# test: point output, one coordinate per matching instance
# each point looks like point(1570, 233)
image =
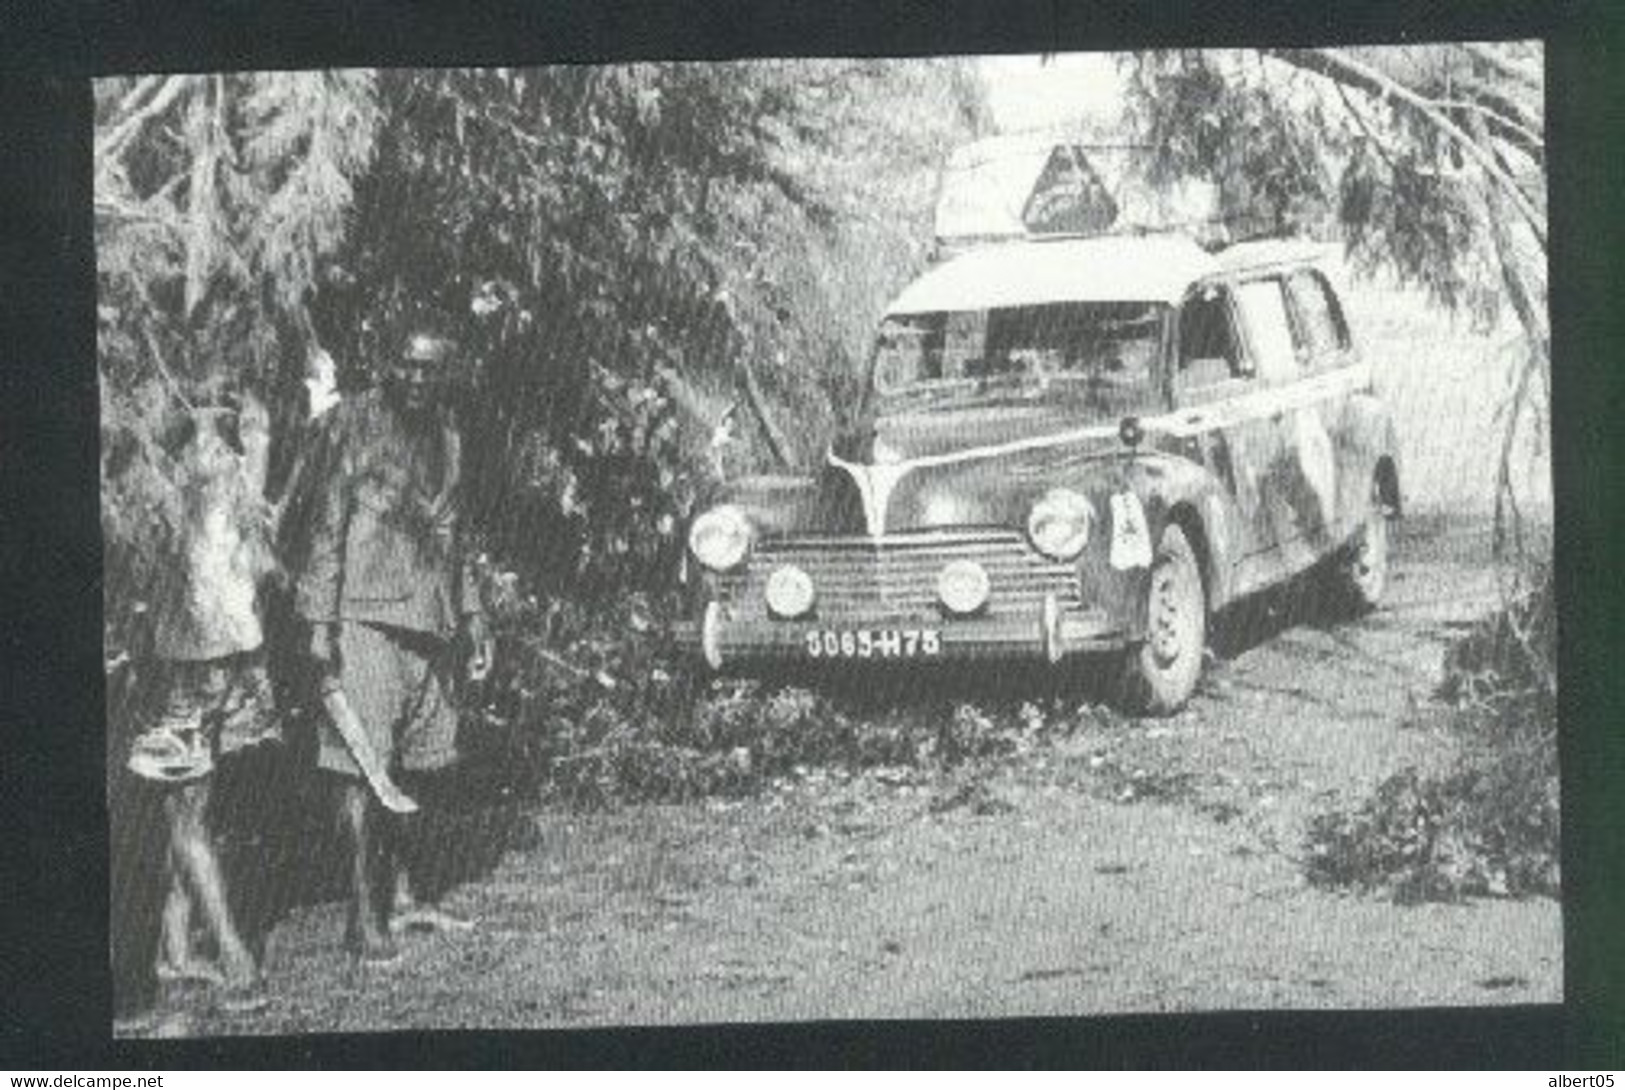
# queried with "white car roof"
point(1110, 269)
point(1274, 252)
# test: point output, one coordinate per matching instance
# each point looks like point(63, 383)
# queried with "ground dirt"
point(1123, 866)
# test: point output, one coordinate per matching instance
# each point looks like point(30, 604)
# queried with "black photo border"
point(54, 975)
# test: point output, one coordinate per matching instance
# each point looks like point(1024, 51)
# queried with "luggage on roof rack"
point(1025, 187)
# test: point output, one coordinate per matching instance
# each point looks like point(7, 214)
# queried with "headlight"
point(720, 538)
point(1059, 524)
point(963, 586)
point(789, 592)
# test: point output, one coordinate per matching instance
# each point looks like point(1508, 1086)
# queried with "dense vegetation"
point(1489, 825)
point(615, 243)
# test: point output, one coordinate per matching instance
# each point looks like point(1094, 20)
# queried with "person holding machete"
point(391, 602)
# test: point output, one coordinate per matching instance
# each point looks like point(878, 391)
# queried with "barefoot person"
point(390, 602)
point(217, 700)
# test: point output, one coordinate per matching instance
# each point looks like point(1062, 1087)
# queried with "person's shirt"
point(383, 522)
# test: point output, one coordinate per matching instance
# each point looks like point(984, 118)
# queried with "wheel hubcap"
point(1371, 560)
point(1168, 613)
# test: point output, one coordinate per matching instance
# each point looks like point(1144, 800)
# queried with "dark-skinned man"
point(394, 610)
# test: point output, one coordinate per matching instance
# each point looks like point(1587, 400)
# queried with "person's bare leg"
point(195, 855)
point(178, 958)
point(175, 932)
point(367, 934)
point(412, 912)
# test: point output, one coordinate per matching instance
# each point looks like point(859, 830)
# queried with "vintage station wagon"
point(1070, 446)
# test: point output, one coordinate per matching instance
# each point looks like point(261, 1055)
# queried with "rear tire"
point(1360, 577)
point(1161, 673)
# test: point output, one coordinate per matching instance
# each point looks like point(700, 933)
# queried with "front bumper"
point(727, 638)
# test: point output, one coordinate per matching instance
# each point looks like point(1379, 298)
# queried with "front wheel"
point(1161, 673)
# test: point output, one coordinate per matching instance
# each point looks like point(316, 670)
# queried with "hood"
point(961, 468)
point(966, 432)
point(980, 466)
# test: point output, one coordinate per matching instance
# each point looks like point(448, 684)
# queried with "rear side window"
point(1321, 331)
point(1269, 329)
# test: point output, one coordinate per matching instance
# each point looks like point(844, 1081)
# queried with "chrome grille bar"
point(899, 572)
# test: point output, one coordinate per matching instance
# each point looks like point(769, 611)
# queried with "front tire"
point(1161, 673)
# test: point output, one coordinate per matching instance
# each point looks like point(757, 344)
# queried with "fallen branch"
point(600, 678)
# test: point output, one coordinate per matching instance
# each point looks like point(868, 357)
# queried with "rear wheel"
point(1361, 575)
point(1161, 673)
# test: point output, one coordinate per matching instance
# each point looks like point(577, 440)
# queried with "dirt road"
point(1131, 866)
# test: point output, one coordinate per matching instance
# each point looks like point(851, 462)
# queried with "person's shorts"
point(212, 707)
point(397, 684)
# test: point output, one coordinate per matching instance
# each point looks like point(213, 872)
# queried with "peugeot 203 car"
point(1069, 447)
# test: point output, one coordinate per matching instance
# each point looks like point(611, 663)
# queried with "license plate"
point(873, 643)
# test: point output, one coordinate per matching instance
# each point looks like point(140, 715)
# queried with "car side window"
point(1321, 331)
point(1208, 353)
point(1269, 329)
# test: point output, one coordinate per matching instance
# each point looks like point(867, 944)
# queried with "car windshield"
point(1099, 356)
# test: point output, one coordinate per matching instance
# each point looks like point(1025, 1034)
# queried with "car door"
point(1328, 361)
point(1219, 404)
point(1297, 486)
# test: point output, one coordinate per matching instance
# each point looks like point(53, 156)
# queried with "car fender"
point(1170, 488)
point(1366, 436)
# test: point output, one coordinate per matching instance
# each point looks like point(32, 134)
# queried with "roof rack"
point(1201, 232)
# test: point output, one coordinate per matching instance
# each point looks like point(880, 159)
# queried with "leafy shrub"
point(1490, 825)
point(590, 706)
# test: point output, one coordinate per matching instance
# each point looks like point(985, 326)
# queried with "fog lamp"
point(963, 586)
point(790, 592)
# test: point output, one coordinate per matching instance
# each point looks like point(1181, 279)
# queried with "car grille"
point(899, 573)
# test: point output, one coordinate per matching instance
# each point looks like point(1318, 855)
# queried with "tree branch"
point(121, 133)
point(758, 404)
point(1501, 66)
point(163, 369)
point(1337, 66)
point(1359, 119)
point(132, 98)
point(1528, 141)
point(1523, 304)
point(107, 205)
point(203, 136)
